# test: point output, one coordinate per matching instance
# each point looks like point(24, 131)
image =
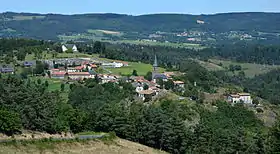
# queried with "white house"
point(240, 97)
point(180, 84)
point(79, 75)
point(113, 65)
point(146, 94)
point(66, 47)
point(139, 88)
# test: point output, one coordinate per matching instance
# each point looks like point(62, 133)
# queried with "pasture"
point(250, 69)
point(141, 69)
point(153, 43)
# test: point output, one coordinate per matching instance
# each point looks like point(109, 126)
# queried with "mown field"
point(152, 43)
point(141, 69)
point(91, 34)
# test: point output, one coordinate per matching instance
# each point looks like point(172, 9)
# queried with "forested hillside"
point(259, 26)
point(172, 124)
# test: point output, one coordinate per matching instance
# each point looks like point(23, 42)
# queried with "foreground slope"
point(88, 147)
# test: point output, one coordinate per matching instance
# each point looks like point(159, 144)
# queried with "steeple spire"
point(155, 65)
point(155, 62)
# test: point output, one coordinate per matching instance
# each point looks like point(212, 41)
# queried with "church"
point(155, 73)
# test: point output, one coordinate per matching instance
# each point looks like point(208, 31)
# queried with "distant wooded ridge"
point(50, 26)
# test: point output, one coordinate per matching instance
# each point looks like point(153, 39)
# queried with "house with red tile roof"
point(58, 75)
point(179, 84)
point(79, 75)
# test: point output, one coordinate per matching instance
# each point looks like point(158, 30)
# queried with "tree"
point(39, 81)
point(62, 87)
point(10, 122)
point(21, 54)
point(161, 83)
point(97, 47)
point(149, 76)
point(46, 83)
point(274, 142)
point(146, 87)
point(49, 74)
point(39, 69)
point(169, 84)
point(134, 73)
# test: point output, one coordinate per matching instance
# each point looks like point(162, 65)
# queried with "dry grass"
point(117, 146)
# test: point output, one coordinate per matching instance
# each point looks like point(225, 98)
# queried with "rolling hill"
point(162, 27)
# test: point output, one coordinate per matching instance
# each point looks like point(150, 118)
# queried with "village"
point(77, 69)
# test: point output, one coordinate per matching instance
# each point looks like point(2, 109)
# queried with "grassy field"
point(175, 45)
point(114, 146)
point(141, 69)
point(250, 69)
point(91, 34)
point(210, 66)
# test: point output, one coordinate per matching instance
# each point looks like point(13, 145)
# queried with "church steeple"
point(155, 65)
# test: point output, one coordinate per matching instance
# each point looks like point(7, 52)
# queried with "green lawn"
point(250, 69)
point(141, 69)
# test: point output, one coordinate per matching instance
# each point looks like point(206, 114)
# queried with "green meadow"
point(141, 69)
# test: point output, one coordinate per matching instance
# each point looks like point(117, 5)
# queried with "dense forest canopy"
point(49, 26)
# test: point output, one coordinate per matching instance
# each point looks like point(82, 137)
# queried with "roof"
point(123, 62)
point(146, 92)
point(29, 63)
point(178, 82)
point(93, 65)
point(78, 73)
point(160, 76)
point(7, 69)
point(58, 73)
point(54, 70)
point(69, 46)
point(169, 74)
point(243, 94)
point(79, 67)
point(234, 95)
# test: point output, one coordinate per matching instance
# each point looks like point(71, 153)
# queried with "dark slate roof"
point(69, 46)
point(6, 69)
point(160, 76)
point(29, 63)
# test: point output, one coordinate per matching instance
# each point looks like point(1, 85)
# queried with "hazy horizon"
point(69, 7)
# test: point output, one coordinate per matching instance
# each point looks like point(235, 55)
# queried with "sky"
point(138, 7)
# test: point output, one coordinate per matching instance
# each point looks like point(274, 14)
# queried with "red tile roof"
point(93, 66)
point(123, 62)
point(79, 73)
point(58, 73)
point(79, 67)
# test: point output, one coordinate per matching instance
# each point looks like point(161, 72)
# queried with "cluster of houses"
point(84, 68)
